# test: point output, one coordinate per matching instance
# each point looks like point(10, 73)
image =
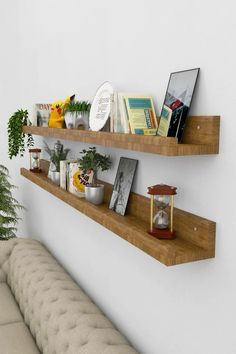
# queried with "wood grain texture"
point(201, 137)
point(195, 235)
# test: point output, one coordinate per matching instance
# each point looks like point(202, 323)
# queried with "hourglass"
point(161, 211)
point(35, 160)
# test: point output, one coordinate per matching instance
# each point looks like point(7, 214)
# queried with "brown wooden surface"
point(201, 137)
point(195, 235)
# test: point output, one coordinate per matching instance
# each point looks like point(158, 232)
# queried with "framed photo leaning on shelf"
point(122, 186)
point(177, 102)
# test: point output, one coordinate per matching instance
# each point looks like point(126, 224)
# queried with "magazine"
point(41, 114)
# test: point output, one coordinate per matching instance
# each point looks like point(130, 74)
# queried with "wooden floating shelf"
point(195, 235)
point(201, 136)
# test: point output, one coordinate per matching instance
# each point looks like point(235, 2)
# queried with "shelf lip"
point(128, 227)
point(166, 146)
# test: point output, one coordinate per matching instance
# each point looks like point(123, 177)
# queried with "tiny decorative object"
point(56, 119)
point(35, 160)
point(162, 199)
point(122, 186)
point(101, 107)
point(177, 103)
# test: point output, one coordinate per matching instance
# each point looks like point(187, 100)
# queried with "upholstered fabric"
point(61, 317)
point(15, 338)
point(9, 311)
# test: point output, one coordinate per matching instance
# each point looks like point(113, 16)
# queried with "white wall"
point(54, 48)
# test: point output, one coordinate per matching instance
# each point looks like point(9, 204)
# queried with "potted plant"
point(76, 114)
point(17, 140)
point(92, 160)
point(56, 155)
point(8, 206)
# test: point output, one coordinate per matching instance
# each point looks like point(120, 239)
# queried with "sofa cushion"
point(61, 317)
point(9, 310)
point(15, 338)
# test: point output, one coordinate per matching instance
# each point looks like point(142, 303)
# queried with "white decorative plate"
point(101, 107)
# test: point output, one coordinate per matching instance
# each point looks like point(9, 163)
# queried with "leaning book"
point(141, 114)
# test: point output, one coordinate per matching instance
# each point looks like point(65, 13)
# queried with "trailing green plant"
point(92, 160)
point(77, 106)
point(17, 139)
point(57, 154)
point(8, 206)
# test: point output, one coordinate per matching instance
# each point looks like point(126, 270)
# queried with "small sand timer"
point(161, 211)
point(35, 160)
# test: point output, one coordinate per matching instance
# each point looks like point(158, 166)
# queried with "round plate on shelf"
point(101, 107)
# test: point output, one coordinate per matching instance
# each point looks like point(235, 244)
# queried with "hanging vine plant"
point(17, 139)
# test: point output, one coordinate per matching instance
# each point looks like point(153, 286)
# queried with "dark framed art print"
point(122, 186)
point(177, 102)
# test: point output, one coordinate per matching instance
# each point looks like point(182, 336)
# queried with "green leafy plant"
point(77, 106)
point(8, 206)
point(17, 139)
point(92, 160)
point(57, 154)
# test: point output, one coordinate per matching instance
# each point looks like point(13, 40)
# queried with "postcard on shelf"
point(78, 179)
point(141, 113)
point(41, 113)
point(177, 103)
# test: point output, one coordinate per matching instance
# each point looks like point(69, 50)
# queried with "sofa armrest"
point(6, 248)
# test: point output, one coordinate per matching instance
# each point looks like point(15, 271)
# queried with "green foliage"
point(56, 155)
point(17, 140)
point(92, 160)
point(8, 206)
point(77, 106)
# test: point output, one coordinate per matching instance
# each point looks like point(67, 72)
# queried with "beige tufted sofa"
point(42, 310)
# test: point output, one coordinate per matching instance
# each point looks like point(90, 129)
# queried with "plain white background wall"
point(51, 49)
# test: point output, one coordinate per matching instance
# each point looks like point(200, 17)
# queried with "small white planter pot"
point(77, 120)
point(55, 177)
point(94, 194)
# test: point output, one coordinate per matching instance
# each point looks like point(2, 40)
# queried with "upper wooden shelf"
point(201, 136)
point(195, 236)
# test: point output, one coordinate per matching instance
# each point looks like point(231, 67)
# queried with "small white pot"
point(55, 177)
point(76, 120)
point(94, 194)
point(70, 120)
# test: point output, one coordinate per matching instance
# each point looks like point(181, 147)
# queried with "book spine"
point(63, 173)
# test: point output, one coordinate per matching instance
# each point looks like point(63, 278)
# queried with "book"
point(120, 120)
point(78, 179)
point(41, 113)
point(141, 113)
point(64, 173)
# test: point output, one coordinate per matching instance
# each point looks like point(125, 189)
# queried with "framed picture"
point(122, 186)
point(177, 102)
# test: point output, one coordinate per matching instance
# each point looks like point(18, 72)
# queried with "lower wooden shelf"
point(195, 235)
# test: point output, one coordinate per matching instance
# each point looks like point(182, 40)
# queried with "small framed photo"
point(122, 186)
point(177, 103)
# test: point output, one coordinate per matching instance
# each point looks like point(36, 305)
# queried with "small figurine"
point(56, 118)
